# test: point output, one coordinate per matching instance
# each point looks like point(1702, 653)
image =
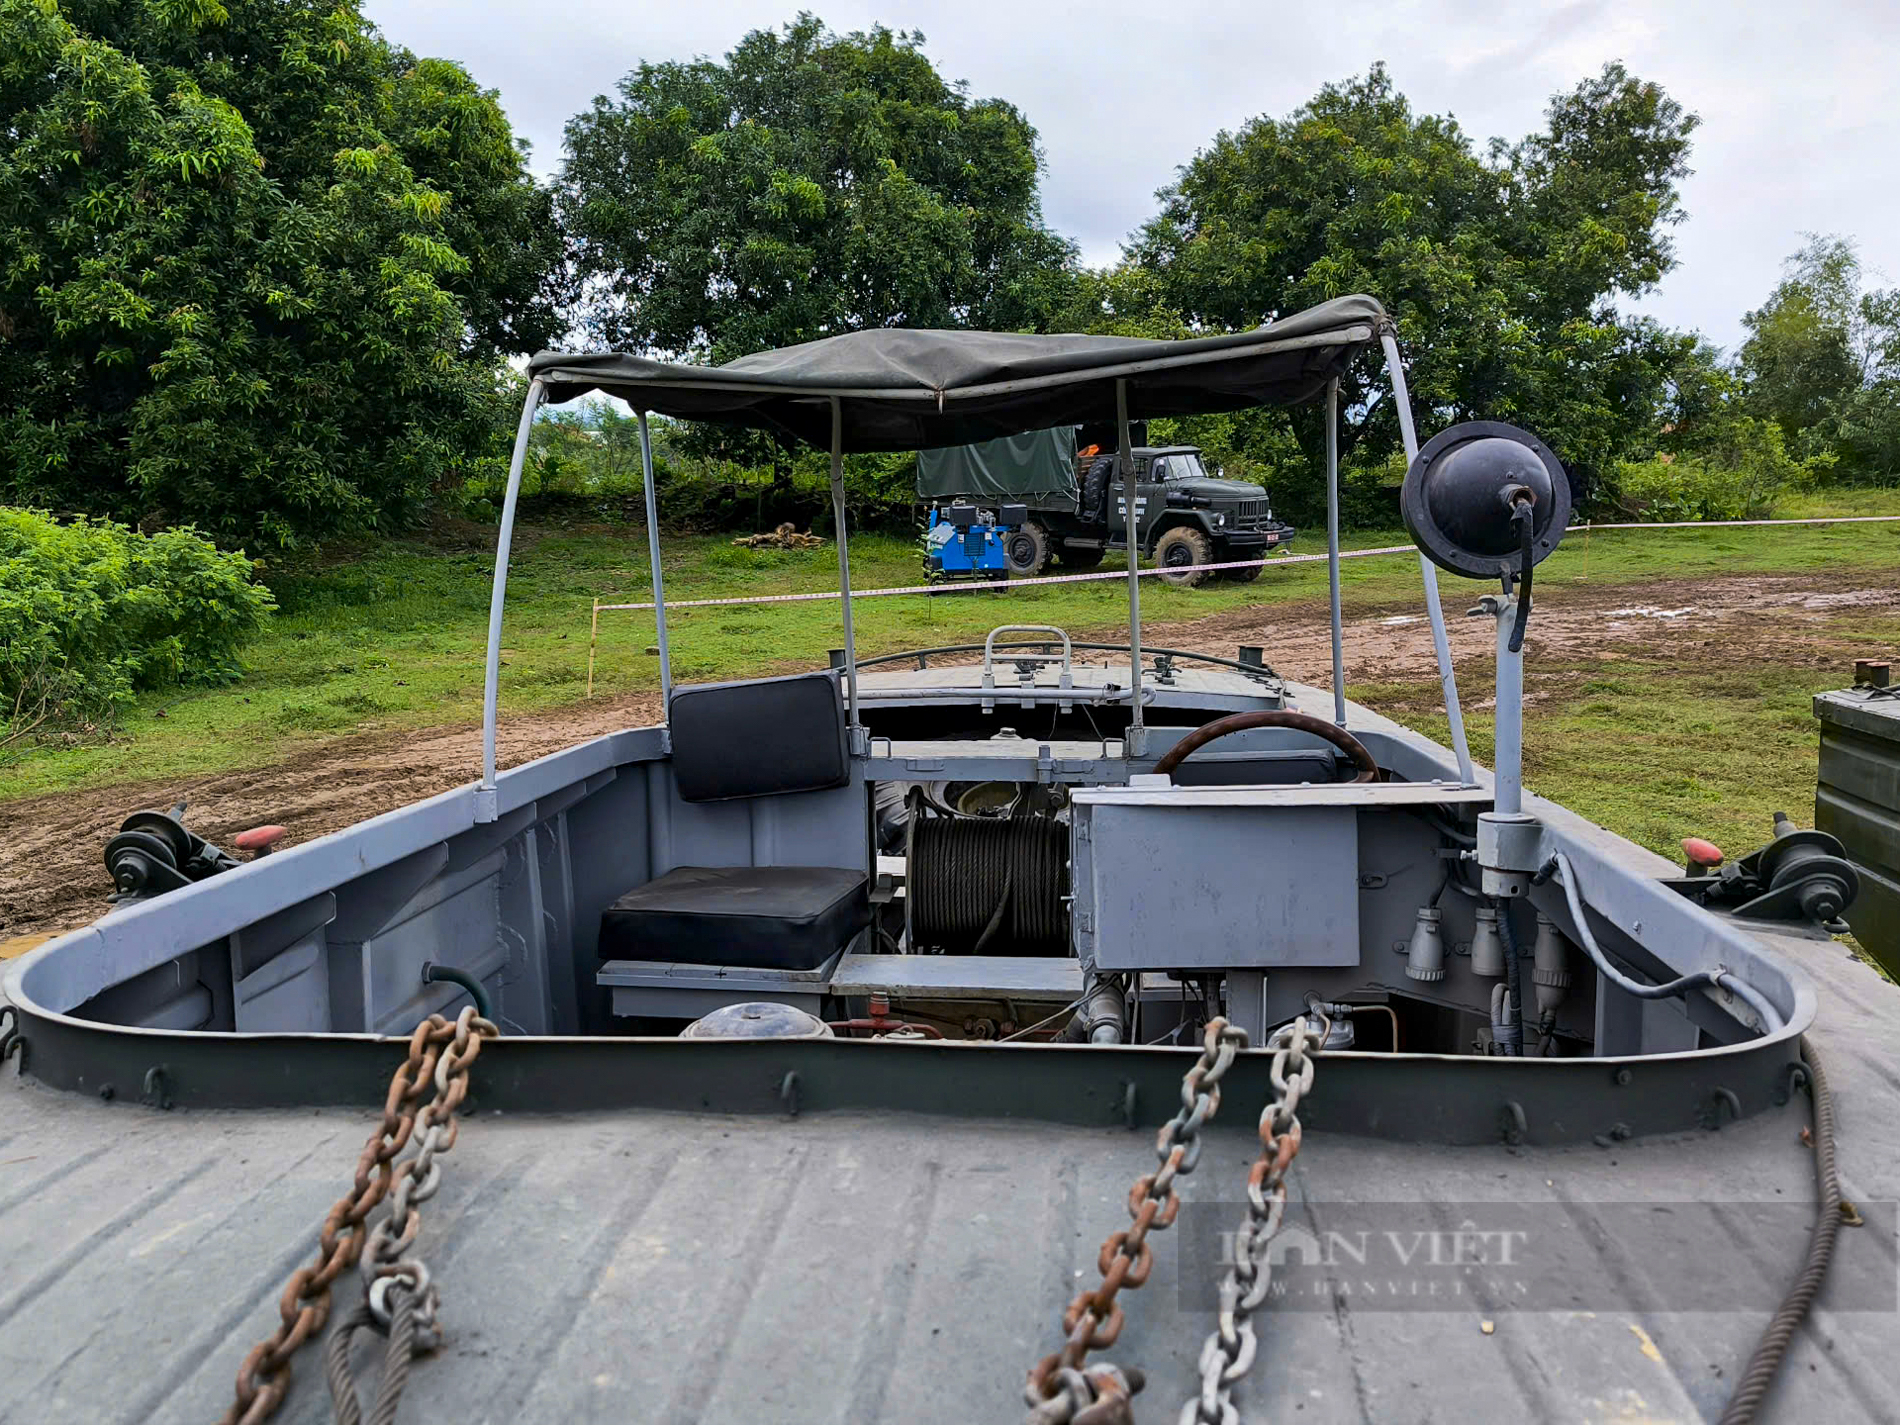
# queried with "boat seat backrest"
point(761, 738)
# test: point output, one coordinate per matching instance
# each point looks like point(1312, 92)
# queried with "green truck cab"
point(1076, 504)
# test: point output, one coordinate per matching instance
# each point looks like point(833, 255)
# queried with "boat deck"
point(676, 1267)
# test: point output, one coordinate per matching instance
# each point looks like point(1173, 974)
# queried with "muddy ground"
point(53, 877)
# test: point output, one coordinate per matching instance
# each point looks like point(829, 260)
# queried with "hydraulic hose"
point(1669, 988)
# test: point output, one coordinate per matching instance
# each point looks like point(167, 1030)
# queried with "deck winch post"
point(485, 804)
point(860, 746)
point(1441, 642)
point(1332, 548)
point(653, 565)
point(1126, 450)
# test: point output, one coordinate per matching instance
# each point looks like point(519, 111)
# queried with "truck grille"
point(1251, 514)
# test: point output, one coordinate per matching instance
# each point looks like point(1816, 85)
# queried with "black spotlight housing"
point(1463, 494)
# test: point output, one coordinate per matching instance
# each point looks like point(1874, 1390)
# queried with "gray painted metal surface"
point(579, 828)
point(848, 1267)
point(1857, 799)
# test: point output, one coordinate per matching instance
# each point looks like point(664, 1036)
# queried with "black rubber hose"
point(1773, 1346)
point(448, 974)
point(1523, 513)
point(1514, 968)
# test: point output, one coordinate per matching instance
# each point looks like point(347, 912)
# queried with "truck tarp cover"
point(1039, 462)
point(917, 390)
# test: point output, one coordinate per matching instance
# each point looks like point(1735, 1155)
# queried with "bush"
point(92, 611)
point(1738, 474)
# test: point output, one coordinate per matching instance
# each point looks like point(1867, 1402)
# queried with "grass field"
point(392, 637)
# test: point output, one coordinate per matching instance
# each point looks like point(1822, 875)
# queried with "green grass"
point(394, 637)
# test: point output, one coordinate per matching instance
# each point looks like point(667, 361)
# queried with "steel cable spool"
point(988, 884)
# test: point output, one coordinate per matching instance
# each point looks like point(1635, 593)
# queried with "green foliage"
point(1800, 357)
point(1500, 268)
point(92, 611)
point(1739, 471)
point(1822, 361)
point(256, 266)
point(810, 184)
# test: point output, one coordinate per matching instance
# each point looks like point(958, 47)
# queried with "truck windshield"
point(1178, 466)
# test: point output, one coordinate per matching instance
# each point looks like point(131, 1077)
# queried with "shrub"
point(1737, 474)
point(92, 611)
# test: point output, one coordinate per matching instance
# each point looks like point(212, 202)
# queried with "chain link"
point(399, 1299)
point(1246, 1279)
point(1059, 1389)
point(263, 1379)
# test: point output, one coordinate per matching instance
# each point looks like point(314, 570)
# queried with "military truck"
point(1070, 482)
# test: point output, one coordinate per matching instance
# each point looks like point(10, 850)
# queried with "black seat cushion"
point(761, 738)
point(761, 917)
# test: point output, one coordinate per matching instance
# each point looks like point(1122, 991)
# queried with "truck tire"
point(1239, 576)
point(1027, 550)
point(1183, 545)
point(1081, 556)
point(1095, 489)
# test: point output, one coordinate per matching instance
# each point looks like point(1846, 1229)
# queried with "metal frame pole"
point(485, 802)
point(1137, 731)
point(1332, 548)
point(858, 744)
point(1447, 681)
point(653, 569)
point(1507, 759)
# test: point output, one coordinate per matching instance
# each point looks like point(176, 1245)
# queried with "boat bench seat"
point(759, 917)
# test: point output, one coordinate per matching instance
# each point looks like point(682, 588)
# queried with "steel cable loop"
point(401, 1349)
point(969, 876)
point(1765, 1361)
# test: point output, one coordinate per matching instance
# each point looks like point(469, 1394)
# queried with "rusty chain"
point(1060, 1391)
point(399, 1298)
point(263, 1379)
point(1248, 1275)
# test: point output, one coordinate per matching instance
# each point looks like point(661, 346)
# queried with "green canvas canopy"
point(918, 390)
point(1037, 462)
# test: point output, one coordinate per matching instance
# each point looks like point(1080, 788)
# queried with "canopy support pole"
point(1332, 548)
point(859, 745)
point(653, 568)
point(485, 802)
point(1137, 732)
point(1447, 681)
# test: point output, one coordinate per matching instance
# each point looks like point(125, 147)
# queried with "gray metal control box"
point(1215, 878)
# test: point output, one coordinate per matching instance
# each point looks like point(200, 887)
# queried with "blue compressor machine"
point(970, 542)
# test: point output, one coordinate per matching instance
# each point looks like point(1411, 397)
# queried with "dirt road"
point(53, 877)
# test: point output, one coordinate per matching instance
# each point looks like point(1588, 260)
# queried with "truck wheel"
point(1179, 548)
point(1241, 576)
point(1080, 556)
point(1027, 550)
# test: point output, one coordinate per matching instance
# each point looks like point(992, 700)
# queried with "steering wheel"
point(1272, 717)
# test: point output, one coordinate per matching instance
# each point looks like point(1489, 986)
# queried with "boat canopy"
point(919, 390)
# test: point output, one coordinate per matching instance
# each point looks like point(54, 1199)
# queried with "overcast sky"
point(1800, 124)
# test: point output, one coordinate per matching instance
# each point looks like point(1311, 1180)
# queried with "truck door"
point(1150, 500)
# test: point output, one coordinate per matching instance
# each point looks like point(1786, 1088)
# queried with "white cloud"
point(1799, 125)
